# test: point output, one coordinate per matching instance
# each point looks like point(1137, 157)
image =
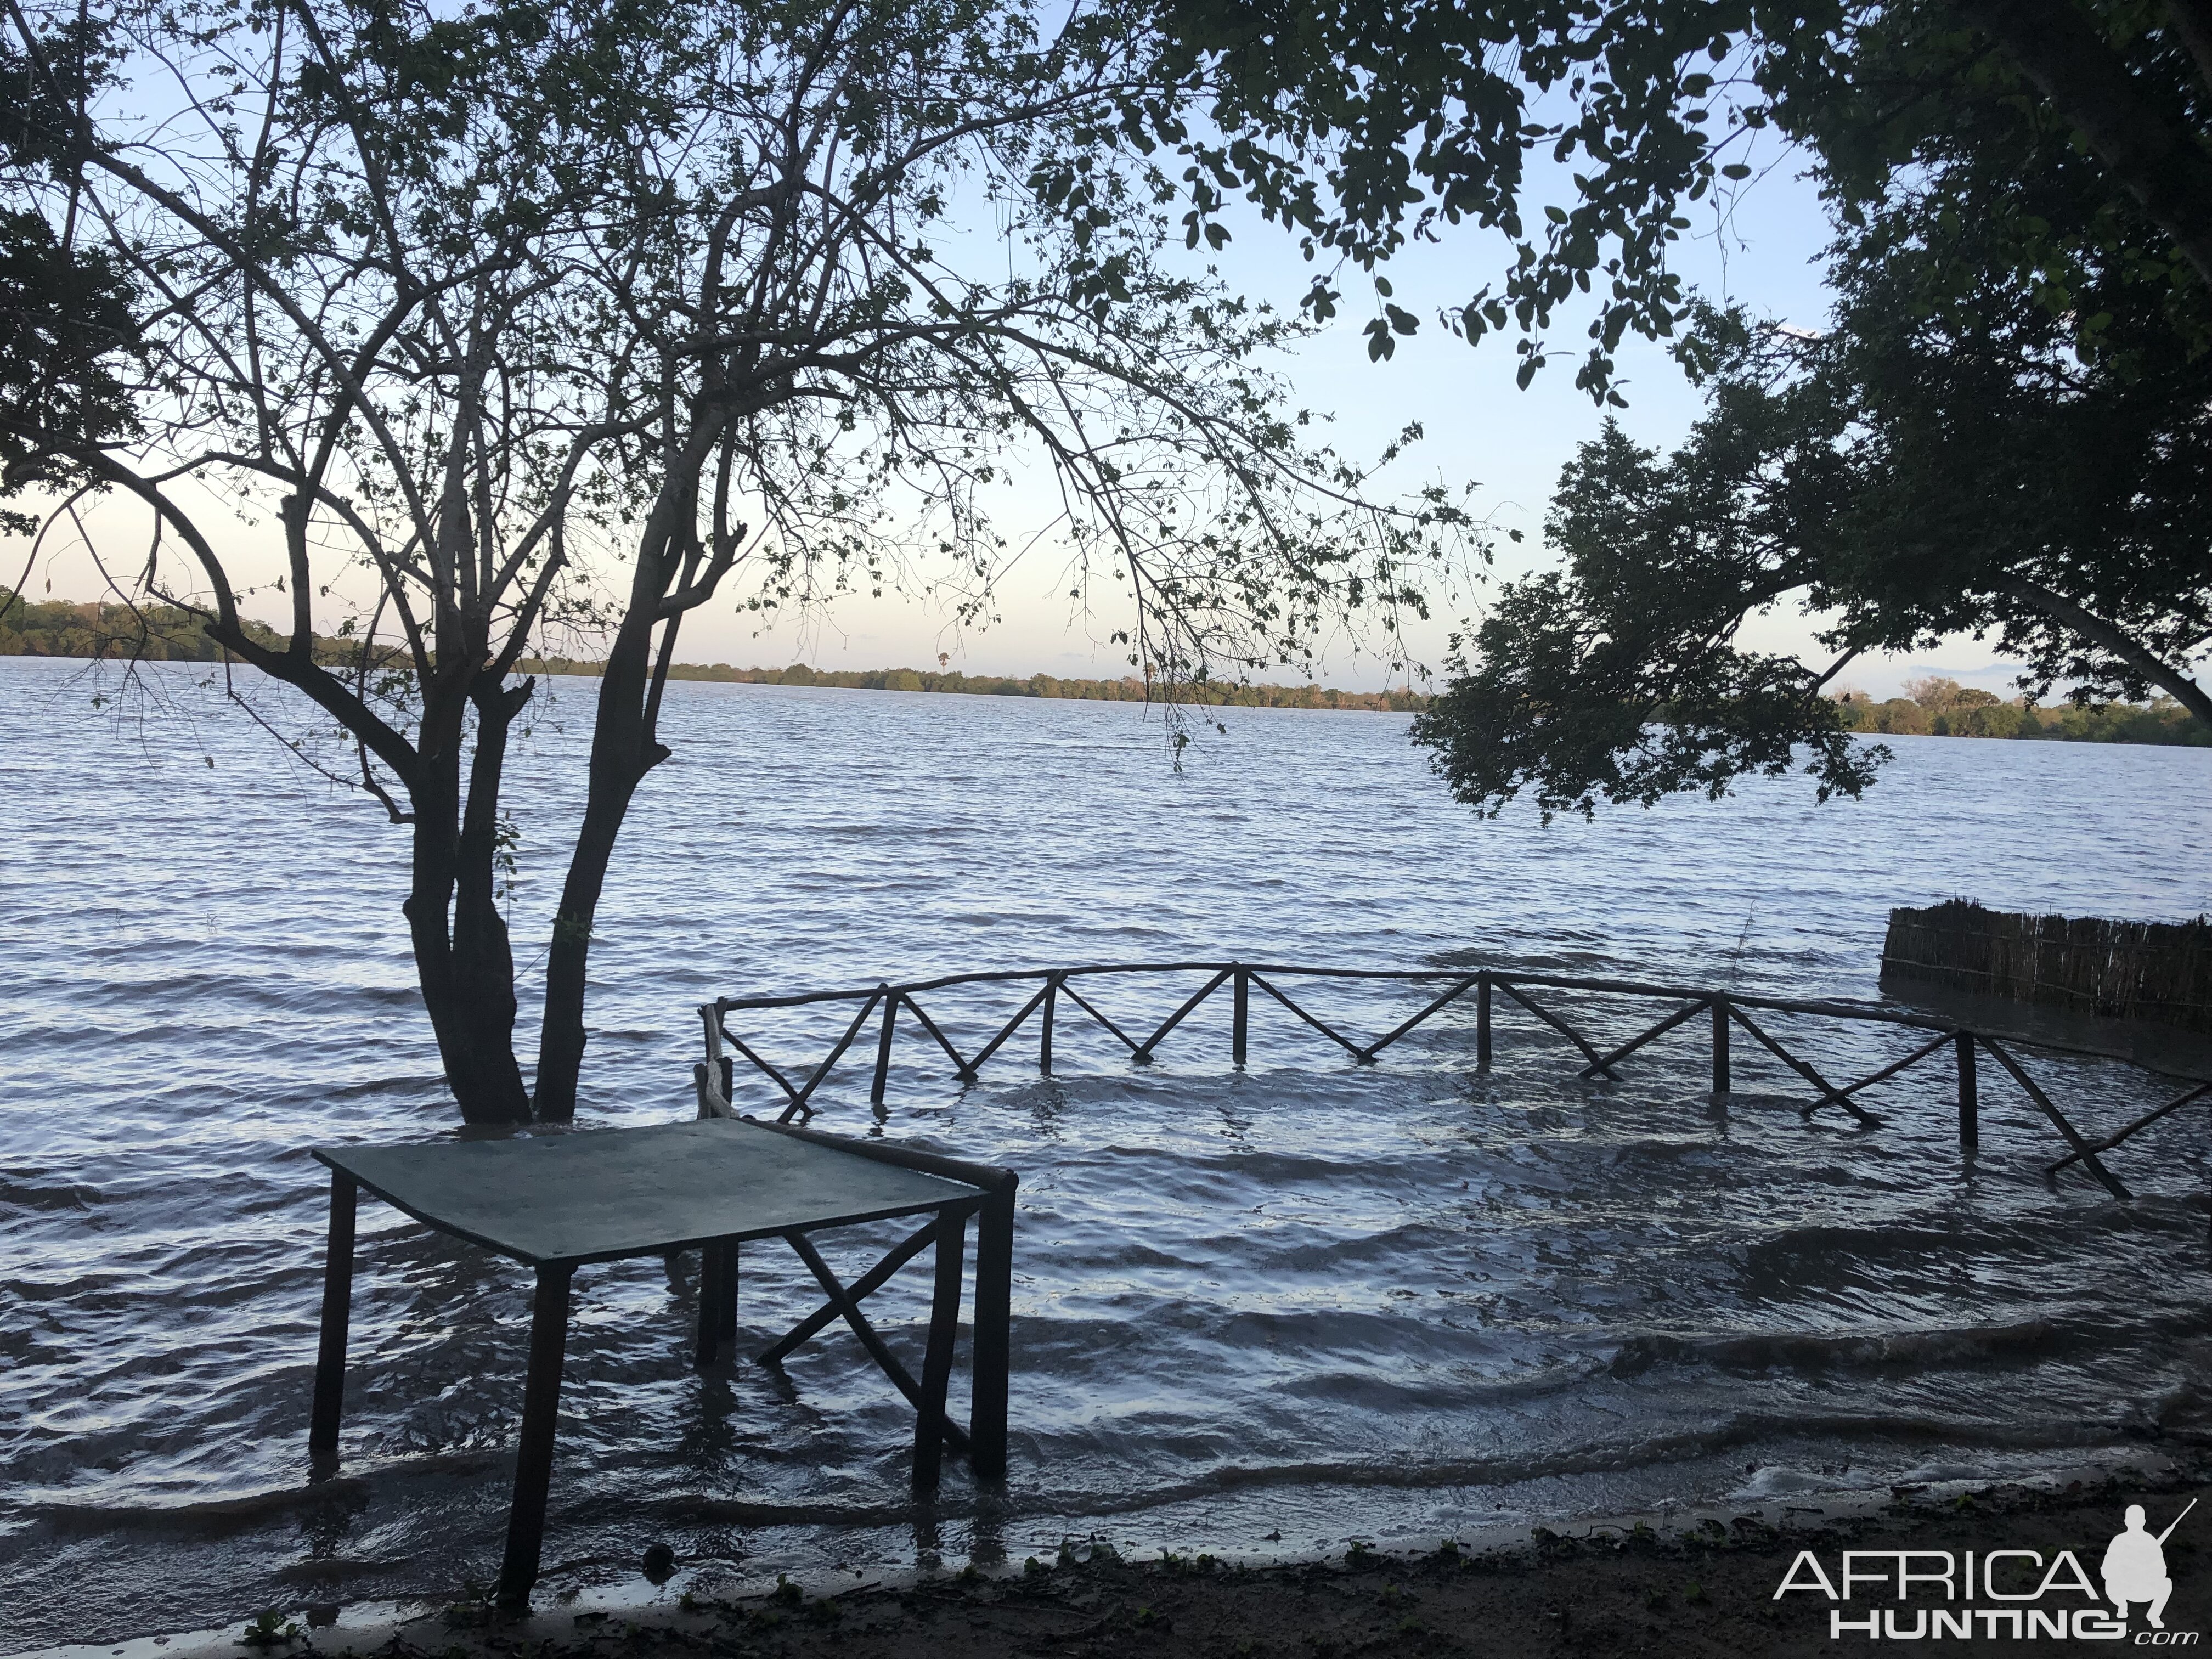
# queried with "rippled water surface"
point(1305, 1303)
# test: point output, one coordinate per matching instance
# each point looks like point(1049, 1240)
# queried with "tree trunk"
point(2087, 625)
point(621, 757)
point(473, 1022)
point(560, 1038)
point(462, 958)
point(625, 746)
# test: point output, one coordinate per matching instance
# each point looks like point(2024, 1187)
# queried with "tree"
point(2002, 433)
point(489, 308)
point(1902, 479)
point(1366, 124)
point(1940, 695)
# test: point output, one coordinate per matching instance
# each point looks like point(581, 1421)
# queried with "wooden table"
point(556, 1202)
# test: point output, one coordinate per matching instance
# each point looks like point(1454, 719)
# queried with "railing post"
point(1044, 1026)
point(1970, 1115)
point(1482, 1022)
point(1240, 1024)
point(724, 1066)
point(883, 1048)
point(1720, 1047)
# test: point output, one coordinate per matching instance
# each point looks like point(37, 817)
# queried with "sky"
point(1480, 429)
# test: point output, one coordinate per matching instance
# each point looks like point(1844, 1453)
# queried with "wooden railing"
point(1727, 1011)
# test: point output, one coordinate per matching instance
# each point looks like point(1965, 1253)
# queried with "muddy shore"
point(1707, 1589)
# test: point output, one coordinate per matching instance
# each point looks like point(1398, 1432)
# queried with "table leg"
point(710, 1302)
point(337, 1307)
point(541, 1409)
point(726, 1313)
point(937, 1363)
point(718, 1297)
point(995, 1286)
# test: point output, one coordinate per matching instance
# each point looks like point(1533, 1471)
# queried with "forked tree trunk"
point(461, 956)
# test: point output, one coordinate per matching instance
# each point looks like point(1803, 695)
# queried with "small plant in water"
point(1359, 1554)
point(269, 1628)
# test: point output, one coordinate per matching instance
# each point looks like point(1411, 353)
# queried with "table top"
point(600, 1194)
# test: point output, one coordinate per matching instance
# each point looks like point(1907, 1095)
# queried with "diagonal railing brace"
point(846, 1304)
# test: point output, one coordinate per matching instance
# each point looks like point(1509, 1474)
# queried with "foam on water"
point(1307, 1300)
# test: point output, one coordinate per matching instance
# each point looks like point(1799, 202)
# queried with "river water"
point(1270, 1311)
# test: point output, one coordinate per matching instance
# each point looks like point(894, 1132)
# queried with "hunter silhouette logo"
point(2019, 1594)
point(2135, 1566)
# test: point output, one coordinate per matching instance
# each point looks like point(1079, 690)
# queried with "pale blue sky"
point(1480, 428)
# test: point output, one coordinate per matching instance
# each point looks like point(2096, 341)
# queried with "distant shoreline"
point(1129, 689)
point(92, 632)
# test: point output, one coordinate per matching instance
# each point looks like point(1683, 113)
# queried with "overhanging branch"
point(2098, 632)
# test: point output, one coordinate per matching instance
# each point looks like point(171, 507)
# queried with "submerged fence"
point(2144, 970)
point(1725, 1014)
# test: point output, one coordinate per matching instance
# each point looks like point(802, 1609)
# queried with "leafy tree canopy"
point(1917, 472)
point(1584, 130)
point(2002, 433)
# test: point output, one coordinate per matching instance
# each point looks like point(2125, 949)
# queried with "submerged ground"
point(1395, 1303)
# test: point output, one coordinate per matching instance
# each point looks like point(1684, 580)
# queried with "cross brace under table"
point(559, 1202)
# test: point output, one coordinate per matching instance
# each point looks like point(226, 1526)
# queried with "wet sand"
point(1702, 1589)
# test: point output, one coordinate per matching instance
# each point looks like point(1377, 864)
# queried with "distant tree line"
point(1932, 707)
point(148, 633)
point(62, 628)
point(1940, 708)
point(1127, 689)
point(159, 633)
